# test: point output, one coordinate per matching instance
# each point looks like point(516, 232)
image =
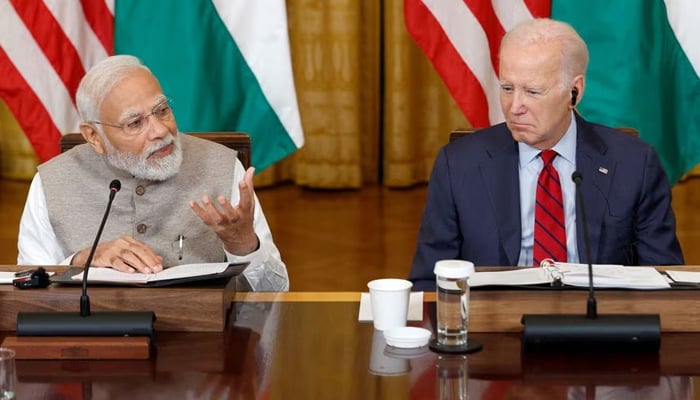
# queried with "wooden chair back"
point(234, 140)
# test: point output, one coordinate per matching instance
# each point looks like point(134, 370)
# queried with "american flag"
point(461, 38)
point(45, 49)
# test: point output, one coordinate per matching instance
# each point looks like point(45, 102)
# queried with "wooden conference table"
point(311, 346)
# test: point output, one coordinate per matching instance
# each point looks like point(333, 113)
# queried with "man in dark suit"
point(482, 204)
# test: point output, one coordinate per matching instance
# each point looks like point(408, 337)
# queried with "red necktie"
point(550, 231)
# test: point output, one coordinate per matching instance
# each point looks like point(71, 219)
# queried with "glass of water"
point(8, 374)
point(452, 301)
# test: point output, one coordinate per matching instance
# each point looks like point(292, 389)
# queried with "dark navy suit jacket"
point(473, 206)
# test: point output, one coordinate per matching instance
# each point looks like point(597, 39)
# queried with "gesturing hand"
point(124, 254)
point(233, 224)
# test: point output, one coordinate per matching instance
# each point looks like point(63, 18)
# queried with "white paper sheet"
point(684, 276)
point(6, 278)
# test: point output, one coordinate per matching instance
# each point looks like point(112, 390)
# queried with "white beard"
point(141, 167)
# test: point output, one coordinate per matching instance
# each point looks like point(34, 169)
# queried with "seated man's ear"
point(91, 136)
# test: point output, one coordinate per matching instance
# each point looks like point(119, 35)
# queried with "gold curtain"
point(17, 158)
point(418, 113)
point(372, 108)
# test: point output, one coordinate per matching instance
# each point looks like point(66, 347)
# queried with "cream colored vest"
point(76, 185)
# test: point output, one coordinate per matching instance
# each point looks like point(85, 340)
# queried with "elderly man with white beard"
point(183, 200)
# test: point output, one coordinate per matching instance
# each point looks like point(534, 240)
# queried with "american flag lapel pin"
point(603, 170)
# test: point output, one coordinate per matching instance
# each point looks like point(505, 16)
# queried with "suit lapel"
point(597, 170)
point(500, 174)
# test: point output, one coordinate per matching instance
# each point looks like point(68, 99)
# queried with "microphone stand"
point(114, 187)
point(85, 323)
point(592, 306)
point(610, 332)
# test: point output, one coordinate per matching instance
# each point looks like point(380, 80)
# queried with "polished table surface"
point(311, 346)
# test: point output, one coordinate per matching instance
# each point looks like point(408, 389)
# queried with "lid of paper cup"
point(454, 268)
point(407, 337)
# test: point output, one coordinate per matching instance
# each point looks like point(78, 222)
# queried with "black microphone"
point(114, 187)
point(112, 323)
point(592, 306)
point(610, 332)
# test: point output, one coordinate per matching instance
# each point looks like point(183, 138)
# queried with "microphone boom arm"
point(114, 187)
point(592, 306)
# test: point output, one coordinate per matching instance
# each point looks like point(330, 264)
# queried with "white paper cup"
point(389, 298)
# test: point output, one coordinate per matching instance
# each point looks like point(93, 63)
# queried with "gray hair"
point(100, 80)
point(574, 52)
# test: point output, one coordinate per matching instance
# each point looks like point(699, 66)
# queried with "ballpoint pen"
point(180, 245)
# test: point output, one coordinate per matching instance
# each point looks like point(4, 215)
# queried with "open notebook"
point(567, 274)
point(180, 274)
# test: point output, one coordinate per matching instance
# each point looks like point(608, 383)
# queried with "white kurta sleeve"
point(37, 244)
point(266, 271)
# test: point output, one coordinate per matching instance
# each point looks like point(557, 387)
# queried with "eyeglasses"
point(137, 124)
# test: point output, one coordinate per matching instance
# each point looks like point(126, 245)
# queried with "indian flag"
point(644, 70)
point(225, 64)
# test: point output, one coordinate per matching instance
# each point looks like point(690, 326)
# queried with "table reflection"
point(452, 376)
point(318, 350)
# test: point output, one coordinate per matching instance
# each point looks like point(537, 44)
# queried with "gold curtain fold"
point(17, 157)
point(335, 57)
point(418, 113)
point(372, 108)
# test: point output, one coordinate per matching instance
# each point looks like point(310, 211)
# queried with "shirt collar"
point(565, 147)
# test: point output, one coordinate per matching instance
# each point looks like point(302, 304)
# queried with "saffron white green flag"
point(644, 71)
point(225, 63)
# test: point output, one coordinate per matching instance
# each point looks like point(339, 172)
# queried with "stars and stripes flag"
point(461, 38)
point(45, 49)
